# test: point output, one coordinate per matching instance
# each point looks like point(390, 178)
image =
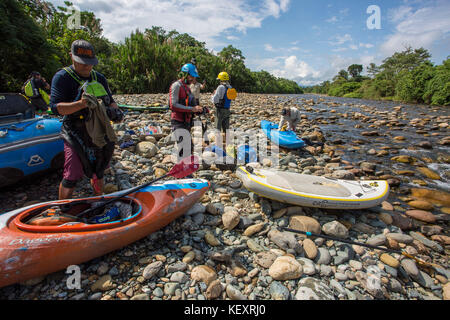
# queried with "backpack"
point(231, 93)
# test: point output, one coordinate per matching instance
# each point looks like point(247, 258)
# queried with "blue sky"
point(303, 40)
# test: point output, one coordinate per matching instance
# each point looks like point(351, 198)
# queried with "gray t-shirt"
point(220, 92)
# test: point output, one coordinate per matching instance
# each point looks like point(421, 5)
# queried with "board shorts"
point(73, 169)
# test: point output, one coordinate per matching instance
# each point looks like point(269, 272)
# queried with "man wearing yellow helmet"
point(222, 100)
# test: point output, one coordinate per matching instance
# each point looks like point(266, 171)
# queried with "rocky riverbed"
point(228, 246)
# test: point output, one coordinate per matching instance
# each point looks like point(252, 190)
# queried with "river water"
point(356, 125)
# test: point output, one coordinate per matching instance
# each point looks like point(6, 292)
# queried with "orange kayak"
point(29, 250)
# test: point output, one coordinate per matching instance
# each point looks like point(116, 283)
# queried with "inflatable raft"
point(156, 107)
point(29, 146)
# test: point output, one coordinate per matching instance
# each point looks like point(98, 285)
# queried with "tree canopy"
point(407, 76)
point(38, 38)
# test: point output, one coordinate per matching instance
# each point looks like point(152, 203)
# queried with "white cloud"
point(276, 7)
point(203, 19)
point(333, 19)
point(400, 13)
point(288, 67)
point(339, 40)
point(293, 68)
point(334, 64)
point(284, 5)
point(298, 70)
point(342, 14)
point(339, 49)
point(265, 64)
point(268, 47)
point(421, 28)
point(366, 45)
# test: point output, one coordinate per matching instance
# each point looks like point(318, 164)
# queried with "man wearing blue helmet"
point(183, 104)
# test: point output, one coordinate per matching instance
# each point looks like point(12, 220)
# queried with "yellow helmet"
point(223, 76)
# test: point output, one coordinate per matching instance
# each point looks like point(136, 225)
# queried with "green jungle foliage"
point(38, 38)
point(407, 76)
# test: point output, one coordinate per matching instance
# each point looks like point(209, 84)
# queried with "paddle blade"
point(185, 167)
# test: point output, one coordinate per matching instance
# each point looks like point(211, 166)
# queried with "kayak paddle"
point(182, 169)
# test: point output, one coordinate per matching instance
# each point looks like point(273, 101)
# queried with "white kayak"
point(313, 191)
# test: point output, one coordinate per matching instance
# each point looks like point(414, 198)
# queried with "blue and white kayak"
point(285, 139)
point(29, 146)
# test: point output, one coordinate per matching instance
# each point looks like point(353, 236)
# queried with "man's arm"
point(65, 108)
point(282, 122)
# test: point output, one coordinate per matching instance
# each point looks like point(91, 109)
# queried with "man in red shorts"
point(82, 156)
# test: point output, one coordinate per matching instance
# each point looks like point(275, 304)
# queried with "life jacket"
point(92, 87)
point(30, 90)
point(185, 98)
point(229, 95)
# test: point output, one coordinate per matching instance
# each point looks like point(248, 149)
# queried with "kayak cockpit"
point(69, 216)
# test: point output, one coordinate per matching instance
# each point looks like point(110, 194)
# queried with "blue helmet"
point(190, 69)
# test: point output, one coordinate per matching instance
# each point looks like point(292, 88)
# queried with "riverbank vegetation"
point(37, 37)
point(407, 76)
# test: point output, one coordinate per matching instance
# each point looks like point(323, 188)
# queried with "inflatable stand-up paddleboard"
point(313, 191)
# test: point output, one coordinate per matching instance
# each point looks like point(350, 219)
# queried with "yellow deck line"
point(315, 197)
